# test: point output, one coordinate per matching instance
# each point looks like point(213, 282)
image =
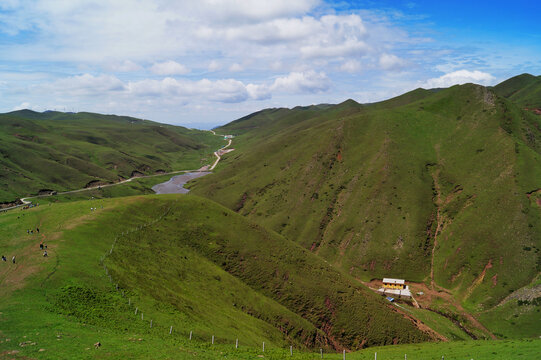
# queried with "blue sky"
point(201, 63)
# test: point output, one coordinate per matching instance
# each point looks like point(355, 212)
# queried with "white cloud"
point(258, 92)
point(335, 36)
point(169, 68)
point(85, 84)
point(302, 82)
point(22, 106)
point(236, 67)
point(250, 10)
point(391, 62)
point(124, 66)
point(460, 77)
point(351, 66)
point(228, 90)
point(286, 52)
point(214, 66)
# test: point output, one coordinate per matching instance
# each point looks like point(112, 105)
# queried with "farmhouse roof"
point(393, 281)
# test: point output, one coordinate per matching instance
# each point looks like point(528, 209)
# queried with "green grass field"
point(188, 268)
point(170, 266)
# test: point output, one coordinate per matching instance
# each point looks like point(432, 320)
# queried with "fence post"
point(263, 346)
point(190, 335)
point(212, 340)
point(142, 316)
point(237, 343)
point(151, 323)
point(321, 353)
point(344, 354)
point(136, 310)
point(170, 329)
point(375, 356)
point(291, 350)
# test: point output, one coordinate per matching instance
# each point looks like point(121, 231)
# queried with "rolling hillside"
point(63, 151)
point(180, 261)
point(438, 187)
point(524, 90)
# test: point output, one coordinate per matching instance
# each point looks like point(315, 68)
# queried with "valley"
point(277, 250)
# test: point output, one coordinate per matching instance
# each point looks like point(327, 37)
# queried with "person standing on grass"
point(4, 258)
point(13, 259)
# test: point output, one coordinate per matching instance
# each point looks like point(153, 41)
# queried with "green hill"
point(64, 151)
point(438, 188)
point(181, 262)
point(524, 90)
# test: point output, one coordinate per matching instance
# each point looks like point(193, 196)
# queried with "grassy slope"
point(190, 269)
point(524, 90)
point(366, 189)
point(63, 304)
point(62, 151)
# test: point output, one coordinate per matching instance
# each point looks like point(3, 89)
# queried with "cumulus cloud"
point(236, 67)
point(460, 77)
point(225, 90)
point(391, 62)
point(280, 49)
point(258, 92)
point(169, 68)
point(183, 90)
point(302, 82)
point(350, 66)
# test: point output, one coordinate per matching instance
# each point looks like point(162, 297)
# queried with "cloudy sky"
point(201, 63)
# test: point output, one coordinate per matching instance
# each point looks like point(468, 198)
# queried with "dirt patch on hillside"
point(479, 279)
point(420, 325)
point(430, 296)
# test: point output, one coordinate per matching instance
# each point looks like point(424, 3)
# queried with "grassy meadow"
point(183, 269)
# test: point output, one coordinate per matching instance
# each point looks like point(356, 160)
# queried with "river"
point(175, 185)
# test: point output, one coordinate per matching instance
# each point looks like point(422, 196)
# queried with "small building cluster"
point(396, 287)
